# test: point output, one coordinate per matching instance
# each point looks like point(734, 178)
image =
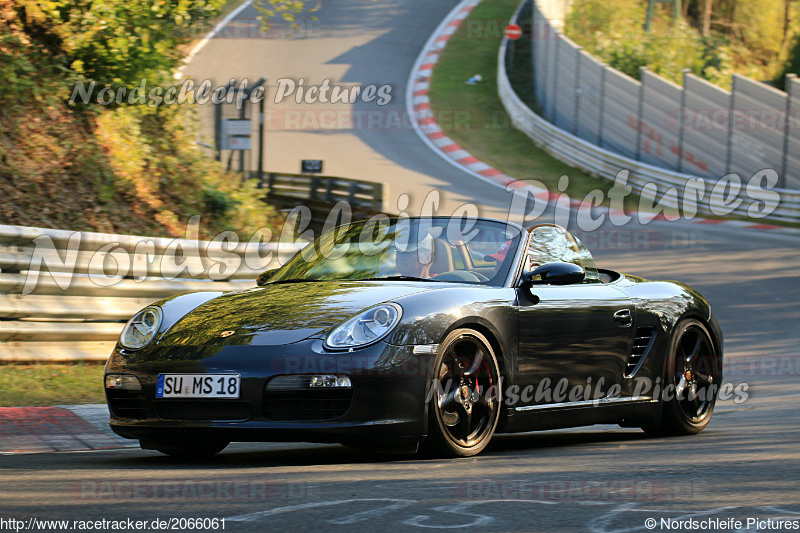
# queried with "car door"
point(575, 335)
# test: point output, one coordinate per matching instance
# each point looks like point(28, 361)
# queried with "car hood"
point(280, 313)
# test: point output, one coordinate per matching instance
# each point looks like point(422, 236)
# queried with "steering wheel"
point(460, 275)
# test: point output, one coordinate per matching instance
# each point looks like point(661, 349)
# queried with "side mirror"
point(554, 274)
point(265, 276)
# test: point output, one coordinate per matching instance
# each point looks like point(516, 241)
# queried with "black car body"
point(514, 330)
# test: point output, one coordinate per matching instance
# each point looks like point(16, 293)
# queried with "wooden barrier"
point(321, 193)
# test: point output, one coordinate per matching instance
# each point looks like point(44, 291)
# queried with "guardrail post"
point(551, 98)
point(313, 194)
point(786, 130)
point(639, 112)
point(352, 190)
point(731, 109)
point(378, 196)
point(681, 125)
point(602, 105)
point(577, 89)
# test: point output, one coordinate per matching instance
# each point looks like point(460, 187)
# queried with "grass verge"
point(43, 384)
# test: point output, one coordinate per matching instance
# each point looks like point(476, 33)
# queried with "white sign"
point(236, 127)
point(235, 143)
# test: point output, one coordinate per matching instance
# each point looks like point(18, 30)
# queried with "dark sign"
point(311, 166)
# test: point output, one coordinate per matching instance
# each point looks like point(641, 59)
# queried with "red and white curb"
point(64, 428)
point(419, 105)
point(424, 122)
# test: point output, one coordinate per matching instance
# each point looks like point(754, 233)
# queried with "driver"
point(500, 255)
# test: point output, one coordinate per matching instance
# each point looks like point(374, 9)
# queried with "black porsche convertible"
point(396, 334)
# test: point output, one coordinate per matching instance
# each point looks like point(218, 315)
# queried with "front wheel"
point(465, 406)
point(692, 379)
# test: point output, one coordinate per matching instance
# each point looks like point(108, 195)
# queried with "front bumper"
point(387, 401)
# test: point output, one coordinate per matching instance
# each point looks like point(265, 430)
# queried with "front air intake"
point(298, 398)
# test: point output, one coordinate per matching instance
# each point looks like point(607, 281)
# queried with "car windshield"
point(428, 249)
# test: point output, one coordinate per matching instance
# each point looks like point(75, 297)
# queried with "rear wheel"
point(194, 450)
point(693, 376)
point(465, 408)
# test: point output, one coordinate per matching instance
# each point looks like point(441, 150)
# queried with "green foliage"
point(666, 50)
point(31, 64)
point(217, 202)
point(790, 55)
point(755, 30)
point(613, 17)
point(758, 26)
point(791, 66)
point(119, 42)
point(129, 169)
point(287, 9)
point(153, 155)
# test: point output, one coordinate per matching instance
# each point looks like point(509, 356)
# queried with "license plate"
point(198, 386)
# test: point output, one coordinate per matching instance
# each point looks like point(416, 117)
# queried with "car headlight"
point(142, 328)
point(365, 328)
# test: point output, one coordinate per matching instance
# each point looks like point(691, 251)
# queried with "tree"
point(707, 18)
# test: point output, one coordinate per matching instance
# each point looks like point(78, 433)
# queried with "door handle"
point(623, 318)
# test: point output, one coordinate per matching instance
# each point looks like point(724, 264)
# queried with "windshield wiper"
point(396, 278)
point(293, 280)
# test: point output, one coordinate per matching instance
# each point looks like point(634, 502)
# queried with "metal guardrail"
point(66, 295)
point(591, 158)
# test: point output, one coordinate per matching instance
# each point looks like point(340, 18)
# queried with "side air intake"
point(642, 341)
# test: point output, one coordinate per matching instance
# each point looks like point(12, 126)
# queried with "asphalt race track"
point(605, 479)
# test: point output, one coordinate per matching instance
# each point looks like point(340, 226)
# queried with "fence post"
point(534, 36)
point(731, 109)
point(242, 116)
point(261, 119)
point(217, 130)
point(352, 191)
point(552, 96)
point(639, 112)
point(377, 195)
point(314, 195)
point(578, 89)
point(602, 105)
point(681, 125)
point(786, 130)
